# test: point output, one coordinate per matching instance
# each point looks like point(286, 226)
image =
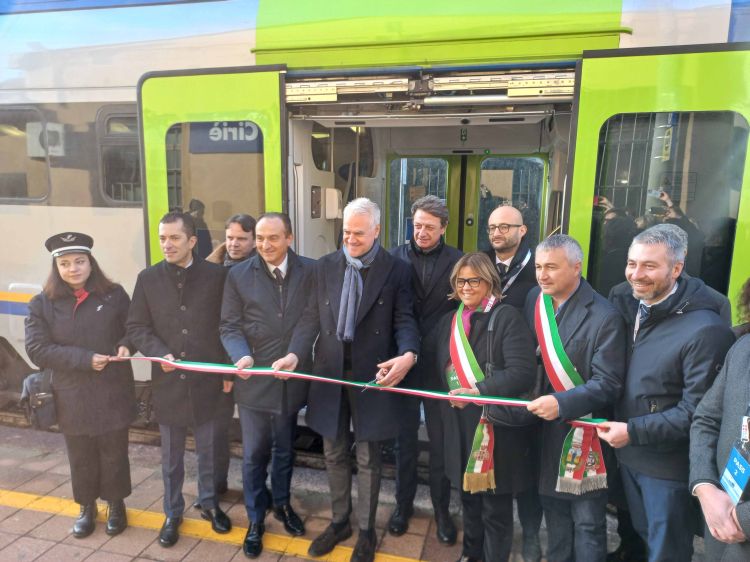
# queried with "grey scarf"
point(351, 292)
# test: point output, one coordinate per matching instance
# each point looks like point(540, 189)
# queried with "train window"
point(120, 160)
point(214, 171)
point(679, 168)
point(510, 180)
point(25, 143)
point(322, 147)
point(410, 179)
point(353, 147)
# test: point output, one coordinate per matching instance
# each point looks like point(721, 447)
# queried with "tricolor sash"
point(464, 372)
point(581, 462)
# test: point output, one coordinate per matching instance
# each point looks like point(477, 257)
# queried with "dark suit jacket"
point(430, 303)
point(385, 328)
point(716, 426)
point(594, 338)
point(526, 280)
point(513, 356)
point(176, 310)
point(254, 323)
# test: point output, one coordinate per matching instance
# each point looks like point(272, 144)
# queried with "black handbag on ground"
point(38, 400)
point(510, 416)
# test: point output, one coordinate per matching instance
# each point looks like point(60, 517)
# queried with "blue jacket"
point(673, 361)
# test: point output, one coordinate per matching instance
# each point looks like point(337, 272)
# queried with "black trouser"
point(407, 453)
point(488, 526)
point(223, 421)
point(99, 466)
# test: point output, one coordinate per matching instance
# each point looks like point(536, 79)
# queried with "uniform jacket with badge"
point(385, 328)
point(593, 336)
point(253, 322)
point(176, 310)
point(716, 427)
point(513, 358)
point(515, 295)
point(88, 402)
point(673, 361)
point(431, 302)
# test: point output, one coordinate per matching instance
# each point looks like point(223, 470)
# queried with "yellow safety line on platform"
point(196, 528)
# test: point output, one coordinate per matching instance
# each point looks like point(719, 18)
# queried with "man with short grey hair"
point(677, 343)
point(360, 312)
point(431, 261)
point(592, 338)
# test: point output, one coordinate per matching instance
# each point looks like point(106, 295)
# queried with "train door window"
point(120, 156)
point(410, 179)
point(25, 143)
point(510, 180)
point(215, 170)
point(679, 168)
point(322, 147)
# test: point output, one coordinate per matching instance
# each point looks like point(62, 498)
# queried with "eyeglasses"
point(472, 281)
point(502, 228)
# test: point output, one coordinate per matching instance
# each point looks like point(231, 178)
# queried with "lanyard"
point(517, 273)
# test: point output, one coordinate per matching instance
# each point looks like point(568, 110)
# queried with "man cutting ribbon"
point(582, 344)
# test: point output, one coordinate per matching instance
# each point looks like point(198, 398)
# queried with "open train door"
point(213, 144)
point(662, 136)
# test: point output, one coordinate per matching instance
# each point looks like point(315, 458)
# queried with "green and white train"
point(114, 111)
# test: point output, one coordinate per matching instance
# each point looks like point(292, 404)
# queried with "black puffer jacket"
point(674, 360)
point(88, 402)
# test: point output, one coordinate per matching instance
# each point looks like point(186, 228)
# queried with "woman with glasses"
point(75, 328)
point(488, 464)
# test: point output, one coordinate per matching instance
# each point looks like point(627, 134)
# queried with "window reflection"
point(680, 168)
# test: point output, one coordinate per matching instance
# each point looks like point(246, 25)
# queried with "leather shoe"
point(445, 528)
point(292, 523)
point(170, 531)
point(117, 518)
point(398, 524)
point(86, 521)
point(465, 558)
point(253, 545)
point(328, 539)
point(364, 550)
point(220, 523)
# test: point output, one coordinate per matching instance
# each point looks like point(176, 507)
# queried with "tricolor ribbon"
point(222, 369)
point(581, 461)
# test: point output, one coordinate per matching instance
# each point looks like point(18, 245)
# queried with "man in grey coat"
point(716, 426)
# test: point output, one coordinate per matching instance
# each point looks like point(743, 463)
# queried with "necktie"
point(502, 269)
point(280, 282)
point(643, 313)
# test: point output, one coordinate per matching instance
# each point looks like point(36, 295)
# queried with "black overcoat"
point(513, 356)
point(253, 322)
point(593, 336)
point(385, 328)
point(515, 295)
point(177, 310)
point(430, 302)
point(88, 402)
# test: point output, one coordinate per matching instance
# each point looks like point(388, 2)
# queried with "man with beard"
point(677, 343)
point(514, 260)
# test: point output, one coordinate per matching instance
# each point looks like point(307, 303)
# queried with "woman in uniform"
point(75, 329)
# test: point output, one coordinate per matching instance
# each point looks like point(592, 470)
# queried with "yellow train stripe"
point(15, 297)
point(196, 528)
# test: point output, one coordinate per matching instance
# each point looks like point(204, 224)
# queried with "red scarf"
point(80, 295)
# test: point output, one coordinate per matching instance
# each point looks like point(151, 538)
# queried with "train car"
point(577, 112)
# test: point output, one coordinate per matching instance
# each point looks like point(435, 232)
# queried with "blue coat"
point(385, 328)
point(254, 323)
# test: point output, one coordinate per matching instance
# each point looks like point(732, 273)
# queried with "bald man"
point(514, 260)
